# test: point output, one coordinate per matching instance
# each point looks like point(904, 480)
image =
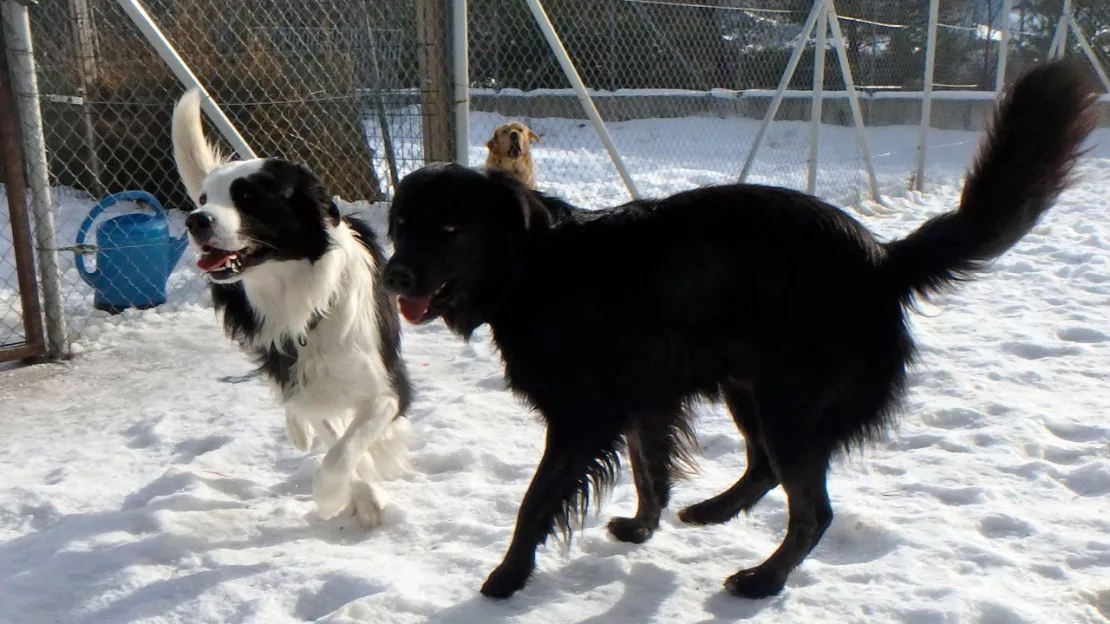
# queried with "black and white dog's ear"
point(304, 190)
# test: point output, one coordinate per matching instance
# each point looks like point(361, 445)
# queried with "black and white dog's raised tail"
point(296, 285)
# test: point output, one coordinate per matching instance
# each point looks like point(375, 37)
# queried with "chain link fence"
point(683, 86)
point(325, 82)
point(12, 330)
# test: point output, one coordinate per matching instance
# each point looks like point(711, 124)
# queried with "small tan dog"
point(509, 151)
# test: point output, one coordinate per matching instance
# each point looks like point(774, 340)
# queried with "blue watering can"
point(135, 255)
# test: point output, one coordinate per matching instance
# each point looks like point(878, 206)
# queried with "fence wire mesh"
point(682, 85)
point(11, 308)
point(324, 82)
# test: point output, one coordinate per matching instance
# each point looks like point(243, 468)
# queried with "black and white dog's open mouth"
point(221, 264)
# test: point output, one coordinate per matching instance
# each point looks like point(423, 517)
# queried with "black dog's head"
point(255, 211)
point(458, 236)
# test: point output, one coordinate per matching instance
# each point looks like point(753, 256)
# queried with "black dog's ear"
point(536, 214)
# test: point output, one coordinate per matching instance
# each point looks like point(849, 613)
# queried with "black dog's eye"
point(203, 199)
point(450, 229)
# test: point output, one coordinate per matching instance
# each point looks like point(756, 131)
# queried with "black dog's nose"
point(399, 278)
point(199, 223)
point(514, 136)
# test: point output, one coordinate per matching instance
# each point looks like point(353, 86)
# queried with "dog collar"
point(312, 323)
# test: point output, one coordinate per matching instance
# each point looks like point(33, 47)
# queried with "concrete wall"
point(964, 110)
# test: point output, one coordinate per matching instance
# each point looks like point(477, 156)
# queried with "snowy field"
point(147, 481)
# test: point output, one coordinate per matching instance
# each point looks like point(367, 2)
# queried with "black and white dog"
point(296, 284)
point(612, 324)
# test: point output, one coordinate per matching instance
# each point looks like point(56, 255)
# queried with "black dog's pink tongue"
point(413, 308)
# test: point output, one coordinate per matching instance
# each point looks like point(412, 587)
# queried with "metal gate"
point(21, 334)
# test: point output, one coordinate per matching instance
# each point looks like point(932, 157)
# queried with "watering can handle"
point(103, 205)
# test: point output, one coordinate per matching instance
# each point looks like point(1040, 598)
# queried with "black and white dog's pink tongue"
point(212, 260)
point(413, 308)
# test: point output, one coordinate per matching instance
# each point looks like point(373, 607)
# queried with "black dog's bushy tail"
point(1023, 164)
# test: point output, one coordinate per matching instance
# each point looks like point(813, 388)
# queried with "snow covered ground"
point(147, 481)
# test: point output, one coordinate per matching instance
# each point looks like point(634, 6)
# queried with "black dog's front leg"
point(563, 474)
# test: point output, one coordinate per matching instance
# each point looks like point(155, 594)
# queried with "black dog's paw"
point(755, 583)
point(706, 512)
point(504, 581)
point(630, 530)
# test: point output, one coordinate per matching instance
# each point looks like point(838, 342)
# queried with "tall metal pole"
point(853, 100)
point(1003, 47)
point(784, 82)
point(460, 71)
point(177, 65)
point(927, 95)
point(571, 73)
point(817, 100)
point(17, 38)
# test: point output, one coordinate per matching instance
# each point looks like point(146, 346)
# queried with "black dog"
point(611, 324)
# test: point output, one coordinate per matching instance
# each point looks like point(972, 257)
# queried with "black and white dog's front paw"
point(367, 505)
point(331, 487)
point(300, 433)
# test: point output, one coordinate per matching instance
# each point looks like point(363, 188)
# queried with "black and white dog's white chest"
point(279, 363)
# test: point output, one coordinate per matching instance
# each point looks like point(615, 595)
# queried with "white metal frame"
point(817, 103)
point(824, 11)
point(548, 30)
point(1003, 47)
point(1060, 39)
point(1059, 45)
point(180, 69)
point(460, 71)
point(927, 95)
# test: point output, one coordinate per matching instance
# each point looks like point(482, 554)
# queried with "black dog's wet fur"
point(611, 323)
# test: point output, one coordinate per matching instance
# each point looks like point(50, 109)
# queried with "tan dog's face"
point(511, 140)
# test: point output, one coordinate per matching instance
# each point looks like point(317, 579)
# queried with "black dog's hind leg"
point(651, 451)
point(810, 515)
point(758, 478)
point(557, 495)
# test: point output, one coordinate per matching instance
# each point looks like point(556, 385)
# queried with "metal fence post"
point(1003, 47)
point(796, 55)
point(460, 70)
point(180, 69)
point(17, 37)
point(927, 95)
point(19, 222)
point(1059, 46)
point(567, 65)
point(817, 99)
point(435, 79)
point(853, 100)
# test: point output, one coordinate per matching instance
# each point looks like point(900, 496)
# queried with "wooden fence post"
point(435, 81)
